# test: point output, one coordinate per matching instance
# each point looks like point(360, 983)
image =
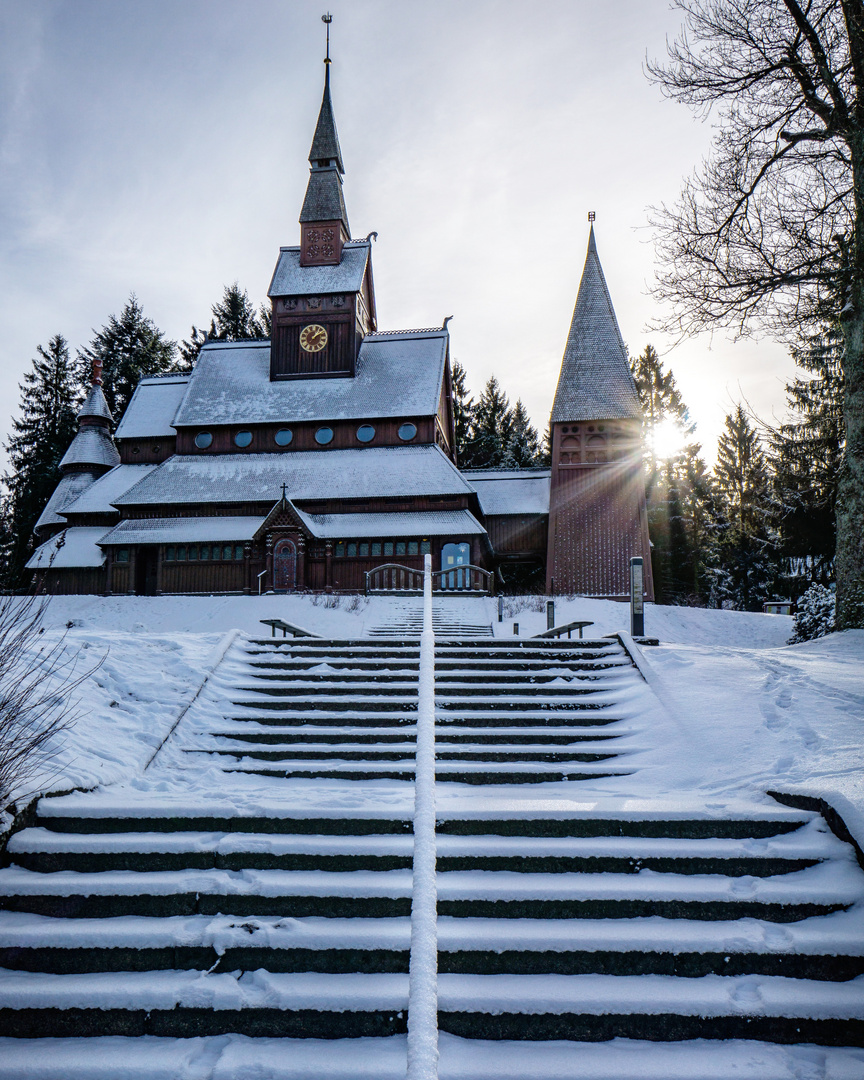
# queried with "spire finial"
point(327, 19)
point(591, 216)
point(96, 372)
point(284, 493)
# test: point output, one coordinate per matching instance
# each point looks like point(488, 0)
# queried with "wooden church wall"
point(597, 526)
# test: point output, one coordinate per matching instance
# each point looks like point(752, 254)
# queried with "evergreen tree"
point(463, 406)
point(233, 319)
point(130, 348)
point(807, 454)
point(747, 562)
point(681, 509)
point(523, 445)
point(41, 434)
point(491, 427)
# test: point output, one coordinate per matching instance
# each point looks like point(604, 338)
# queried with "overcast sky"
point(159, 146)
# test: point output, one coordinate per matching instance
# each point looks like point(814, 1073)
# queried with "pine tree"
point(233, 319)
point(807, 454)
point(523, 445)
point(130, 348)
point(491, 427)
point(463, 406)
point(746, 554)
point(681, 511)
point(41, 435)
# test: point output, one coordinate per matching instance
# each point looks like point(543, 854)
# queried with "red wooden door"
point(285, 566)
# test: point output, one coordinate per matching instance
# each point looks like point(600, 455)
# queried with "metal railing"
point(395, 578)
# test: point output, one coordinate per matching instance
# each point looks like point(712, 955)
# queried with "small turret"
point(92, 447)
point(91, 454)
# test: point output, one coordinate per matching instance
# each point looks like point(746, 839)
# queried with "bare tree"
point(769, 232)
point(38, 677)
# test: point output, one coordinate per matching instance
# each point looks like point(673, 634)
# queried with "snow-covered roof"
point(182, 530)
point(385, 471)
point(70, 487)
point(91, 446)
point(99, 497)
point(151, 411)
point(292, 279)
point(95, 404)
point(396, 375)
point(595, 381)
point(70, 548)
point(511, 491)
point(415, 523)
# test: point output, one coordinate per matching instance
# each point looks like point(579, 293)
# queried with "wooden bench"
point(286, 628)
point(567, 628)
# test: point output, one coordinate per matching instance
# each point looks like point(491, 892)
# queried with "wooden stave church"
point(288, 465)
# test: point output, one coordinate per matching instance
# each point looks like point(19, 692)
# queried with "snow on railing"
point(423, 968)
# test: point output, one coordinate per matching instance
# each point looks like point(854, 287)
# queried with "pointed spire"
point(95, 407)
point(595, 381)
point(324, 200)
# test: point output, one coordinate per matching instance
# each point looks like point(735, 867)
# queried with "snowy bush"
point(37, 678)
point(815, 615)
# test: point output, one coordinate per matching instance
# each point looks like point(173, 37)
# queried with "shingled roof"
point(324, 200)
point(595, 381)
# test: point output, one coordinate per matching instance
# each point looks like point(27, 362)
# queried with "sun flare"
point(668, 439)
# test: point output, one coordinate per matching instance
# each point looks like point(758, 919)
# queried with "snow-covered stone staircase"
point(532, 712)
point(239, 916)
point(456, 617)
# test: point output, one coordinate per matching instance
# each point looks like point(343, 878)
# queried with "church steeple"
point(597, 515)
point(595, 381)
point(323, 219)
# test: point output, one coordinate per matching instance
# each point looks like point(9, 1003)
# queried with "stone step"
point(384, 1059)
point(472, 1006)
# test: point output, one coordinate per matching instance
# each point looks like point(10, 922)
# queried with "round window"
point(324, 435)
point(283, 436)
point(407, 432)
point(365, 433)
point(203, 439)
point(243, 438)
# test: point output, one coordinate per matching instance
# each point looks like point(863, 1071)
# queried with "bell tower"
point(597, 514)
point(322, 293)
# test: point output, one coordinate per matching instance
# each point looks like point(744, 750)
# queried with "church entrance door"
point(145, 571)
point(285, 566)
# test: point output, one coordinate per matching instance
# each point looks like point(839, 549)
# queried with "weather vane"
point(327, 19)
point(591, 215)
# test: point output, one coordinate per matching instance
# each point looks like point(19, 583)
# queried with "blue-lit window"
point(365, 433)
point(203, 439)
point(283, 436)
point(324, 435)
point(407, 432)
point(243, 438)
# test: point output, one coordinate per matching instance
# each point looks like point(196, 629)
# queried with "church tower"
point(597, 513)
point(322, 293)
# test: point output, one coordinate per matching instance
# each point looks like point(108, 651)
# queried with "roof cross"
point(284, 496)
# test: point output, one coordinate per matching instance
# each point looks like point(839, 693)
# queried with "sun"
point(667, 439)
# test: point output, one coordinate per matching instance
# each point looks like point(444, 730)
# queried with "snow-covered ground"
point(739, 711)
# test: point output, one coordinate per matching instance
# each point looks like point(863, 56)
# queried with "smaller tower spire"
point(323, 218)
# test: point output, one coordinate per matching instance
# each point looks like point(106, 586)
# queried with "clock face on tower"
point(313, 338)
